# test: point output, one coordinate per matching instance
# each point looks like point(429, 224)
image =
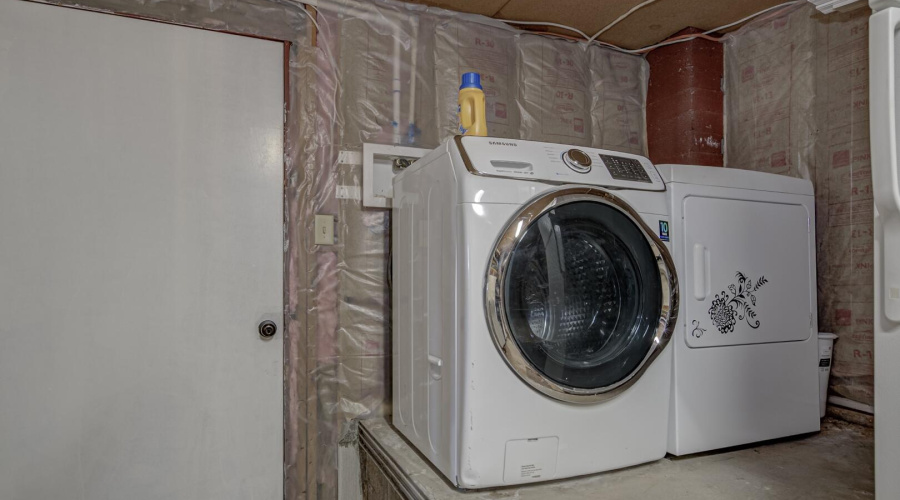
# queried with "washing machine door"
point(581, 295)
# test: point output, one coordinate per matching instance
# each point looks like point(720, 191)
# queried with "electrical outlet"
point(324, 230)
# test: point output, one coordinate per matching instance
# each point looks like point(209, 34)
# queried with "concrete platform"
point(837, 463)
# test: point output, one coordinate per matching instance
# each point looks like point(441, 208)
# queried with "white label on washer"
point(530, 459)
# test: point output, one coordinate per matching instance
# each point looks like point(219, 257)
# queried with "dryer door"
point(580, 295)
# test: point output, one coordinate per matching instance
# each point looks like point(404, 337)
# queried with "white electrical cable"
point(619, 19)
point(751, 16)
point(709, 32)
point(649, 47)
point(314, 3)
point(540, 23)
point(311, 17)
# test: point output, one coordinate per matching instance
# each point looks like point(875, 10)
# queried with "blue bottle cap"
point(471, 80)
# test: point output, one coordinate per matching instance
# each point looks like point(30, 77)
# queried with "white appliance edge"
point(883, 43)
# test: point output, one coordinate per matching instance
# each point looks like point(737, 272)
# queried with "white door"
point(140, 246)
point(748, 270)
point(883, 45)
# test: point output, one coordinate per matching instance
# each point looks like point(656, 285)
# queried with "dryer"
point(746, 347)
point(533, 300)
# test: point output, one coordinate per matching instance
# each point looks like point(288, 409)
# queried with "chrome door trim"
point(494, 286)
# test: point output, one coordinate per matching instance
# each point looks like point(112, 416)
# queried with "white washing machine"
point(533, 302)
point(746, 347)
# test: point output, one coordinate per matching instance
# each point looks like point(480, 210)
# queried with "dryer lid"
point(734, 178)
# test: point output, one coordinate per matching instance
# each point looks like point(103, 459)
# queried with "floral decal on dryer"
point(726, 310)
point(697, 332)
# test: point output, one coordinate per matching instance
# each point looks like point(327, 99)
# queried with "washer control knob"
point(577, 160)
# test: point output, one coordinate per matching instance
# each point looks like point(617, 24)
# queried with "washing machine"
point(533, 302)
point(746, 347)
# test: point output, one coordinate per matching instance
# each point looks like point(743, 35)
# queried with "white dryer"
point(533, 302)
point(746, 347)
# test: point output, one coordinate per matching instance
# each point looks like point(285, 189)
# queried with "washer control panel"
point(557, 163)
point(577, 160)
point(626, 169)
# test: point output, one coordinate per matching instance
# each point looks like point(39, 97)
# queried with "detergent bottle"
point(472, 119)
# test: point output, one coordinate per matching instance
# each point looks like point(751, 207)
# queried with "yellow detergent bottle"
point(472, 119)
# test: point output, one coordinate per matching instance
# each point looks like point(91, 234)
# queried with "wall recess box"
point(378, 171)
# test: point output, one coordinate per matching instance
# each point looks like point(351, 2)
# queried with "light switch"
point(324, 230)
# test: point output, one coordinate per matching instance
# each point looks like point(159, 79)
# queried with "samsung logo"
point(498, 143)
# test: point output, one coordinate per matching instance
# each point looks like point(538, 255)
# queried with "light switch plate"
point(324, 230)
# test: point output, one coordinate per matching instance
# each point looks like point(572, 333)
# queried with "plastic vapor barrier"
point(390, 72)
point(387, 72)
point(618, 100)
point(383, 56)
point(797, 104)
point(462, 47)
point(554, 90)
point(770, 77)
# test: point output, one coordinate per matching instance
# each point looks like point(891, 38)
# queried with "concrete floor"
point(836, 463)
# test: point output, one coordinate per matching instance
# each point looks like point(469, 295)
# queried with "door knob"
point(267, 329)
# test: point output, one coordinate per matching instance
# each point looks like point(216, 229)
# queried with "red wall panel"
point(685, 116)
